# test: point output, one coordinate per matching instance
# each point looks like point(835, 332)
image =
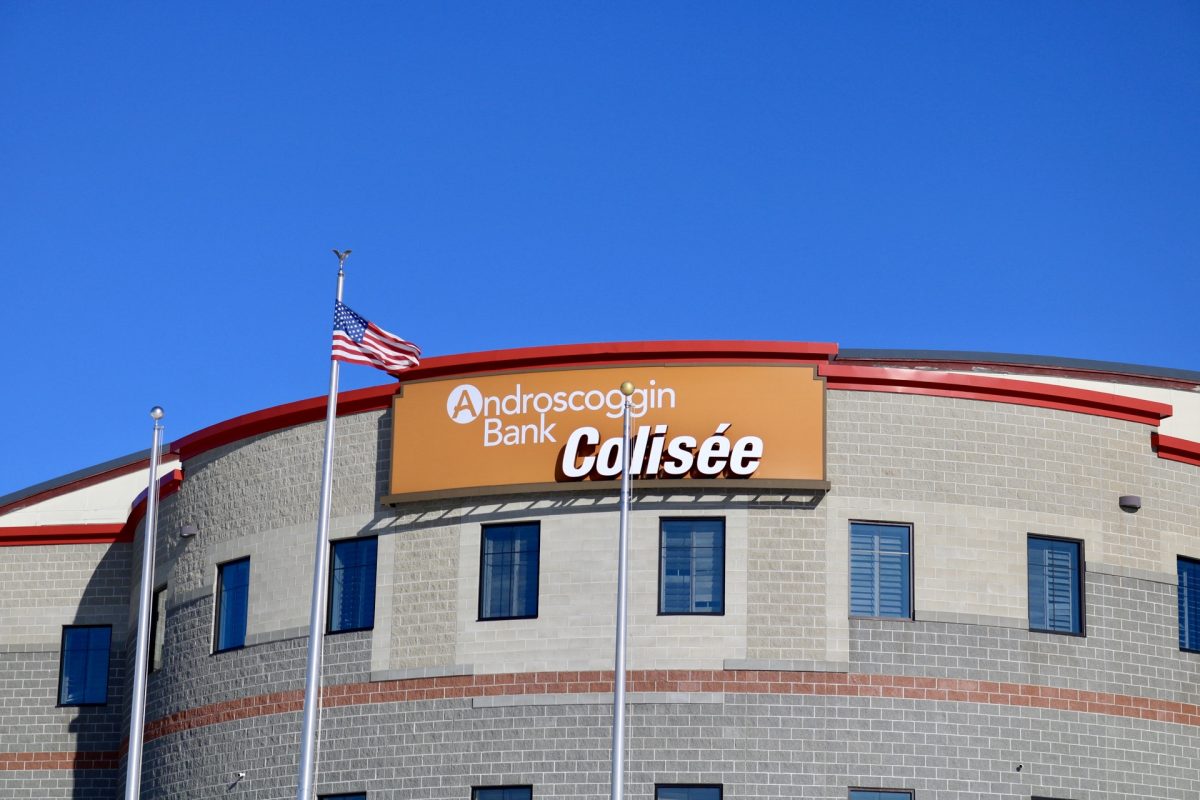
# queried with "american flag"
point(357, 341)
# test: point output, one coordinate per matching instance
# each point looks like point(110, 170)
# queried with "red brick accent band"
point(726, 681)
point(673, 681)
point(34, 761)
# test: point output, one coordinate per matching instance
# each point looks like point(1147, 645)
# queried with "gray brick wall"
point(755, 745)
point(973, 478)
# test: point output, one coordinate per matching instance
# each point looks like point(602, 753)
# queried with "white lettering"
point(747, 455)
point(571, 469)
point(714, 453)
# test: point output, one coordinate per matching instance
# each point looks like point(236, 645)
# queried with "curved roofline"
point(606, 354)
point(1031, 364)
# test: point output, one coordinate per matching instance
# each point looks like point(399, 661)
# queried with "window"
point(880, 794)
point(691, 566)
point(508, 571)
point(352, 586)
point(158, 625)
point(1055, 585)
point(83, 670)
point(233, 596)
point(351, 796)
point(502, 793)
point(880, 570)
point(1189, 604)
point(687, 792)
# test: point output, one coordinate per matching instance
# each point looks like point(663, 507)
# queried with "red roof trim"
point(601, 354)
point(999, 390)
point(1172, 448)
point(85, 533)
point(1017, 367)
point(379, 398)
point(167, 485)
point(357, 401)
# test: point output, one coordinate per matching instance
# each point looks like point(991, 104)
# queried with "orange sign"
point(562, 429)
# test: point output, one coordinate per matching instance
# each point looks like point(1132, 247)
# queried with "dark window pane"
point(1055, 603)
point(880, 570)
point(692, 566)
point(84, 676)
point(354, 796)
point(687, 793)
point(508, 571)
point(233, 596)
point(352, 585)
point(1189, 604)
point(879, 794)
point(502, 793)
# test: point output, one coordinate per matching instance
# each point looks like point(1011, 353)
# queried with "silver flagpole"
point(137, 713)
point(618, 735)
point(316, 618)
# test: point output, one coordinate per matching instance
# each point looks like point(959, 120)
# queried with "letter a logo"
point(464, 404)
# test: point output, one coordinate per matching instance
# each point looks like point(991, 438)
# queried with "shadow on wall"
point(97, 728)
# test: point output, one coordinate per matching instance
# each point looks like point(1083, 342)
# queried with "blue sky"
point(1012, 177)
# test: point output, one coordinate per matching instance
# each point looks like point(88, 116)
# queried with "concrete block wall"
point(972, 478)
point(42, 589)
point(754, 745)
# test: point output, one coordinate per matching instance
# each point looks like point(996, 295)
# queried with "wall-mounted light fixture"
point(188, 531)
point(1130, 503)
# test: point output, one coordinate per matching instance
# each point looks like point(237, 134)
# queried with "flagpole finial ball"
point(627, 388)
point(156, 413)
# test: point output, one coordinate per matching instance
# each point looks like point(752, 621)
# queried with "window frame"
point(329, 589)
point(216, 637)
point(900, 794)
point(720, 787)
point(1080, 585)
point(476, 789)
point(537, 579)
point(62, 659)
point(343, 796)
point(724, 559)
point(912, 571)
point(1179, 561)
point(155, 618)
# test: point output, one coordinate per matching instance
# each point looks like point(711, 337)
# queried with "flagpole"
point(618, 735)
point(137, 713)
point(316, 618)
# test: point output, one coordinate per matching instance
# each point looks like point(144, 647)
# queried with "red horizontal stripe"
point(32, 535)
point(999, 390)
point(45, 761)
point(683, 681)
point(1172, 448)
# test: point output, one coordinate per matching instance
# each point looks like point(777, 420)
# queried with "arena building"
point(861, 575)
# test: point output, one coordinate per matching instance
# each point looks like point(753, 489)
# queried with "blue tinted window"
point(83, 678)
point(879, 794)
point(352, 585)
point(502, 793)
point(880, 570)
point(508, 571)
point(687, 793)
point(352, 796)
point(1189, 604)
point(1055, 586)
point(233, 596)
point(691, 577)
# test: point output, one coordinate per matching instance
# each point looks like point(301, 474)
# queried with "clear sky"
point(1013, 177)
